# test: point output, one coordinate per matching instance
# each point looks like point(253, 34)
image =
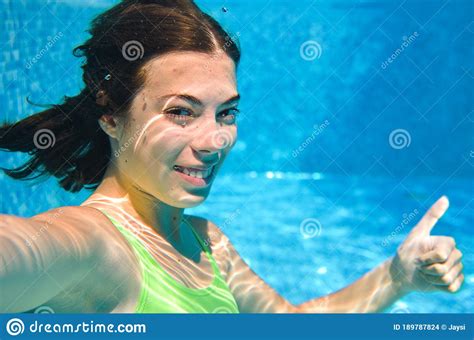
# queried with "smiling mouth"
point(196, 173)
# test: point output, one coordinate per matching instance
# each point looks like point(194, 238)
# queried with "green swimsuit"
point(160, 293)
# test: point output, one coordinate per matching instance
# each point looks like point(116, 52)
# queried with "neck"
point(121, 193)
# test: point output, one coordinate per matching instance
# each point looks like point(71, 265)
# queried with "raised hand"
point(428, 263)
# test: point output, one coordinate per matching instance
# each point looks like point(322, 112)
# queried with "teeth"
point(194, 173)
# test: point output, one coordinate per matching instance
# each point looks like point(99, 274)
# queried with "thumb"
point(434, 213)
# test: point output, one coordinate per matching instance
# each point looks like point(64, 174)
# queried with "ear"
point(109, 125)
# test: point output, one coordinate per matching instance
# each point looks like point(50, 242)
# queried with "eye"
point(228, 116)
point(179, 114)
point(179, 111)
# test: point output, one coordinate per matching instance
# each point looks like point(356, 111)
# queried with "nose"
point(207, 157)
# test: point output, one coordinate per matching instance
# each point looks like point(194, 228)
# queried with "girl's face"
point(181, 127)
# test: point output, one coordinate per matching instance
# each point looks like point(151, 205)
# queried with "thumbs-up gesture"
point(428, 263)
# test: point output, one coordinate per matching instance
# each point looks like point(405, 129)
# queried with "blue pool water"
point(314, 136)
point(262, 213)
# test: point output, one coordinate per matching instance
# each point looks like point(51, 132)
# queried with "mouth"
point(195, 176)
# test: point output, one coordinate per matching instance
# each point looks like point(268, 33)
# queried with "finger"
point(441, 248)
point(456, 285)
point(432, 216)
point(440, 269)
point(425, 284)
point(447, 279)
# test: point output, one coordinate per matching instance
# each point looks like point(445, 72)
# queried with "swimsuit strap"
point(161, 293)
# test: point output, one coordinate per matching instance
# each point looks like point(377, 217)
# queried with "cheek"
point(159, 145)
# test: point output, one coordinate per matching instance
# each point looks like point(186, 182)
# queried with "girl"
point(149, 132)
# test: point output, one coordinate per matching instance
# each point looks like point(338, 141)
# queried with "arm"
point(373, 292)
point(252, 294)
point(44, 255)
point(422, 263)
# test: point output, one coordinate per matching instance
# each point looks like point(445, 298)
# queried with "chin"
point(188, 204)
point(189, 201)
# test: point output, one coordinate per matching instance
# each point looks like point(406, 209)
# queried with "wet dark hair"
point(66, 140)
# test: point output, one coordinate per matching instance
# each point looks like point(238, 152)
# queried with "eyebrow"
point(195, 101)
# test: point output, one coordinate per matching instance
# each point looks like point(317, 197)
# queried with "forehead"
point(195, 73)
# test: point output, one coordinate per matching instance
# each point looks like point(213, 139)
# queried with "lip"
point(197, 168)
point(199, 182)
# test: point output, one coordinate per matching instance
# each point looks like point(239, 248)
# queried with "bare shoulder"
point(115, 264)
point(80, 220)
point(82, 217)
point(68, 226)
